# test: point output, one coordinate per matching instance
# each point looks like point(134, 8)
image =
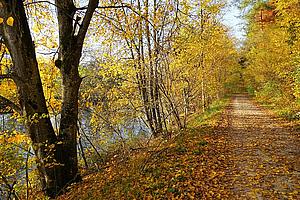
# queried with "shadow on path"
point(263, 156)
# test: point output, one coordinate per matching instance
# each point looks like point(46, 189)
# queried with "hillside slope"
point(241, 153)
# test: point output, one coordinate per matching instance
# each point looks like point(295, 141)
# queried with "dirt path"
point(263, 155)
point(249, 154)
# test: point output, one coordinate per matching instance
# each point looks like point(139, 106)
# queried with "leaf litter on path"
point(263, 156)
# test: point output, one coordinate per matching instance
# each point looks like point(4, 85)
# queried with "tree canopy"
point(84, 81)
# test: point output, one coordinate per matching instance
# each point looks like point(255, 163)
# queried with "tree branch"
point(37, 2)
point(4, 102)
point(86, 21)
point(124, 6)
point(105, 7)
point(53, 4)
point(5, 76)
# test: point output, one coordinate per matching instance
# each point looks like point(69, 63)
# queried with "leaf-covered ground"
point(245, 153)
point(263, 154)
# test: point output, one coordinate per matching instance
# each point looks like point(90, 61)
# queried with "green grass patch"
point(197, 152)
point(209, 117)
point(283, 108)
point(202, 143)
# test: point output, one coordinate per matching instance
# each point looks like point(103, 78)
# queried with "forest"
point(143, 99)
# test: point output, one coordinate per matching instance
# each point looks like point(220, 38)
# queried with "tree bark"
point(71, 38)
point(57, 154)
point(32, 101)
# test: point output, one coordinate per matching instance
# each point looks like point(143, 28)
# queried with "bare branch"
point(105, 7)
point(5, 76)
point(37, 2)
point(53, 4)
point(87, 20)
point(81, 8)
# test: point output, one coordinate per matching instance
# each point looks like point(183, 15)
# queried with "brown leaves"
point(187, 168)
point(259, 152)
point(215, 162)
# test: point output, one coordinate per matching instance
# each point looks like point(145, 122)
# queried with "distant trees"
point(156, 35)
point(272, 51)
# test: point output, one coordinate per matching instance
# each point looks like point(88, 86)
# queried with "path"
point(263, 156)
point(248, 155)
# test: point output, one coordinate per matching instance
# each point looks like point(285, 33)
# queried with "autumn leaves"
point(9, 21)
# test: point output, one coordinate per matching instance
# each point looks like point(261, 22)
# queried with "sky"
point(232, 19)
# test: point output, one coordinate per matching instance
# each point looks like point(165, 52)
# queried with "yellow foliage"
point(50, 76)
point(272, 52)
point(10, 21)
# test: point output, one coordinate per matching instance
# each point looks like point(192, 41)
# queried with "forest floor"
point(244, 153)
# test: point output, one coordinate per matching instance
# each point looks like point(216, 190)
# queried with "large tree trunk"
point(68, 62)
point(57, 155)
point(72, 33)
point(18, 40)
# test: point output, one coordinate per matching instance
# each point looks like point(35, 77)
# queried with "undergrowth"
point(176, 168)
point(282, 106)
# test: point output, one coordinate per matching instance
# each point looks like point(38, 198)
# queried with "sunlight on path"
point(263, 155)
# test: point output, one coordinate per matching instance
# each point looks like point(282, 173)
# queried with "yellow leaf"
point(1, 20)
point(10, 21)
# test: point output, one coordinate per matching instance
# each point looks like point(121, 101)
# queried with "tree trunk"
point(157, 97)
point(57, 155)
point(143, 74)
point(18, 40)
point(151, 80)
point(68, 64)
point(71, 38)
point(202, 62)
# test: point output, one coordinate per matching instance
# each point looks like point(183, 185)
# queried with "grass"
point(208, 117)
point(166, 170)
point(282, 107)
